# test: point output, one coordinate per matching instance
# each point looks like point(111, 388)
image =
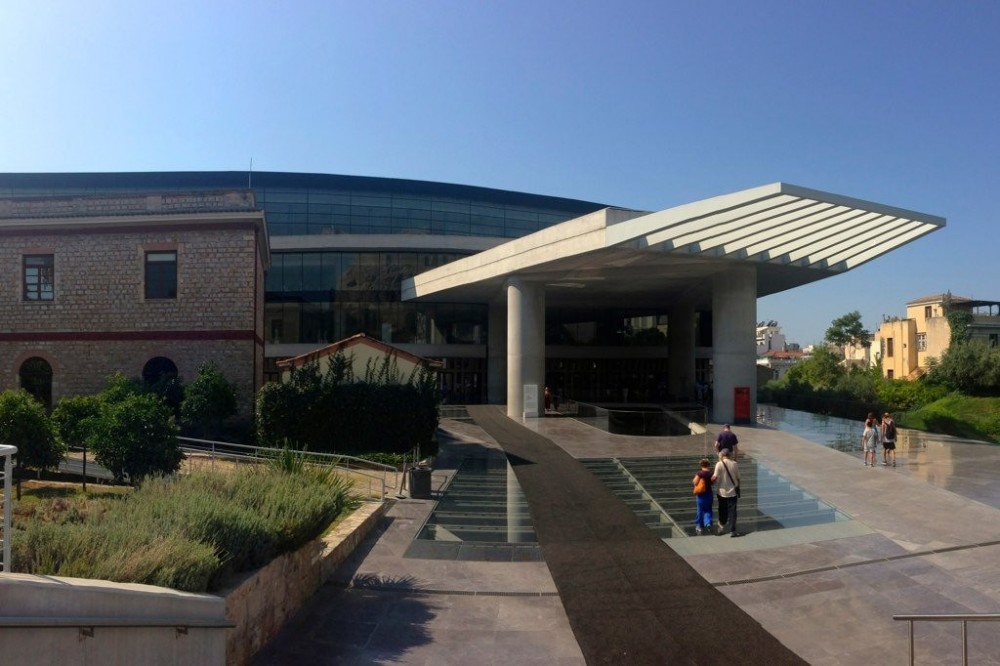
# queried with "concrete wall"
point(48, 597)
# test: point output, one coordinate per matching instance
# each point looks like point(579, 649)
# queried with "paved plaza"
point(923, 537)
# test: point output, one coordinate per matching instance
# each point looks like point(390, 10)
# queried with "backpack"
point(890, 430)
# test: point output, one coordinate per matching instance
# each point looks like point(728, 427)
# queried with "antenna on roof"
point(250, 175)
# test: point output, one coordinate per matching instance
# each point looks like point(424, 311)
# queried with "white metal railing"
point(352, 464)
point(6, 454)
point(964, 618)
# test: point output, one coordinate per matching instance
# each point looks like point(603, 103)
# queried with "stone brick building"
point(144, 284)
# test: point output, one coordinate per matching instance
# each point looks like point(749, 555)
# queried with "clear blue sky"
point(638, 104)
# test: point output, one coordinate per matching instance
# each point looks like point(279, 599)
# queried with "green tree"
point(334, 411)
point(822, 370)
point(969, 367)
point(135, 436)
point(73, 419)
point(848, 330)
point(170, 389)
point(24, 424)
point(208, 401)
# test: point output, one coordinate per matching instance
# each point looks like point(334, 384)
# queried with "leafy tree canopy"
point(208, 401)
point(72, 417)
point(24, 424)
point(822, 370)
point(135, 436)
point(848, 330)
point(970, 367)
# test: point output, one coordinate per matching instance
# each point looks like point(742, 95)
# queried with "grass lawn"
point(958, 415)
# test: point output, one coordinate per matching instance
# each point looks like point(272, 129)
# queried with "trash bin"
point(420, 483)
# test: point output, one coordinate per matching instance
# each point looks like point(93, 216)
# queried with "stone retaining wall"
point(265, 600)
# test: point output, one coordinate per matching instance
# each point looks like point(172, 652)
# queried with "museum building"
point(507, 290)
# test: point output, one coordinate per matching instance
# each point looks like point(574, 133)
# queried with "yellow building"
point(906, 346)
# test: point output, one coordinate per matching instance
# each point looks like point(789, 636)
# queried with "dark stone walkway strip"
point(629, 597)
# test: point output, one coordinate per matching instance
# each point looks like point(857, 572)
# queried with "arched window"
point(36, 379)
point(158, 368)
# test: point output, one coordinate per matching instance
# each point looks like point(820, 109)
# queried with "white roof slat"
point(755, 224)
point(667, 235)
point(855, 239)
point(901, 234)
point(844, 220)
point(806, 234)
point(786, 238)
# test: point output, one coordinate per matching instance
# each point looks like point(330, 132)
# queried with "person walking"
point(869, 441)
point(703, 498)
point(727, 475)
point(727, 440)
point(888, 439)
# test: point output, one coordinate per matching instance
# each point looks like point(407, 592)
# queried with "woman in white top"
point(869, 441)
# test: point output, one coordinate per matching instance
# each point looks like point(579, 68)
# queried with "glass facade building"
point(333, 274)
point(299, 204)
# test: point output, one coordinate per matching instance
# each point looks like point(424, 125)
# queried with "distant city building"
point(780, 362)
point(857, 356)
point(905, 346)
point(769, 338)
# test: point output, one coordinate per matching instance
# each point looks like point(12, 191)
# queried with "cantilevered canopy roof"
point(637, 260)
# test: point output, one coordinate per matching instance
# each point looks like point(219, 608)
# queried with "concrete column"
point(734, 349)
point(525, 343)
point(680, 348)
point(496, 354)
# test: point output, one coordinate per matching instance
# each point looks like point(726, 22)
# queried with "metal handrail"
point(335, 457)
point(248, 452)
point(964, 618)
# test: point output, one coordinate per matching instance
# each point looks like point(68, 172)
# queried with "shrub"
point(24, 424)
point(188, 533)
point(208, 401)
point(333, 413)
point(970, 367)
point(73, 417)
point(135, 436)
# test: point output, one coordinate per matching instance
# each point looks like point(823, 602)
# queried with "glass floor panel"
point(659, 491)
point(482, 515)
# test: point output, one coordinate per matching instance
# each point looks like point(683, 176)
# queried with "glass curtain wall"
point(322, 297)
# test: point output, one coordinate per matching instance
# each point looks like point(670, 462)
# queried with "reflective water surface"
point(963, 466)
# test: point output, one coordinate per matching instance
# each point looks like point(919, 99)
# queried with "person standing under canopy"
point(727, 440)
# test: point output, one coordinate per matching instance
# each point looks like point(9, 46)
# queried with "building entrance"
point(634, 380)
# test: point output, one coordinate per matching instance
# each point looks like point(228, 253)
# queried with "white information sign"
point(530, 401)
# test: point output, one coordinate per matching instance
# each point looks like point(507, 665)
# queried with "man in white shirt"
point(726, 478)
